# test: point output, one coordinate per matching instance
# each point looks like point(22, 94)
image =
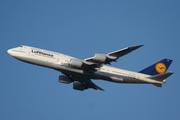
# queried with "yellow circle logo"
point(160, 67)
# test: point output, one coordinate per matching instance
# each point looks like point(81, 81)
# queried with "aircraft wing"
point(86, 82)
point(90, 84)
point(124, 51)
point(113, 56)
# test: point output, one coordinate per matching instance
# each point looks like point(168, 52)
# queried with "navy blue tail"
point(157, 68)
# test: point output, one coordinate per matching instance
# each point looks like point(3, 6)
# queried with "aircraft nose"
point(9, 51)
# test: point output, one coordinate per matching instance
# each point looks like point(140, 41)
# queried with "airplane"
point(80, 72)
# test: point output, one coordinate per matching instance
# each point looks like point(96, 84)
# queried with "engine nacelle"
point(76, 63)
point(100, 57)
point(79, 86)
point(64, 79)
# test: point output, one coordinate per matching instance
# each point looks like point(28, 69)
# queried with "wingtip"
point(97, 87)
point(140, 45)
point(136, 47)
point(170, 73)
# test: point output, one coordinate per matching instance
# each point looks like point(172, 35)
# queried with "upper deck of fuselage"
point(36, 51)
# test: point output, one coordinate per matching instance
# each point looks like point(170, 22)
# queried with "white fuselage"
point(61, 62)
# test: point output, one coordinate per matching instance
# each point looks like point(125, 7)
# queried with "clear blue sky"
point(81, 28)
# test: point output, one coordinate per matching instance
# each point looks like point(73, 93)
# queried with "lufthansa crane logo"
point(160, 67)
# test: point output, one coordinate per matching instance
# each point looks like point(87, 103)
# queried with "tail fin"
point(157, 68)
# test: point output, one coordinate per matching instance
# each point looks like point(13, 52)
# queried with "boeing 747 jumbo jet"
point(80, 72)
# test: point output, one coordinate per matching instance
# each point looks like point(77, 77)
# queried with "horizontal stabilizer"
point(157, 84)
point(161, 77)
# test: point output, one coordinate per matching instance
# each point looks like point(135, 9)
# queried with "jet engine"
point(64, 79)
point(79, 86)
point(76, 63)
point(100, 57)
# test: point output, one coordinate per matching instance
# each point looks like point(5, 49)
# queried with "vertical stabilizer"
point(157, 68)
